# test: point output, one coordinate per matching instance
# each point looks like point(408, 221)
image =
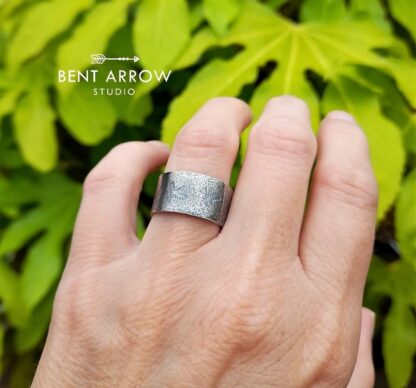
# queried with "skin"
point(273, 299)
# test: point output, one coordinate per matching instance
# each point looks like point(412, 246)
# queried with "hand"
point(271, 300)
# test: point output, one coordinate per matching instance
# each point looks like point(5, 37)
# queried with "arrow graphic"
point(99, 59)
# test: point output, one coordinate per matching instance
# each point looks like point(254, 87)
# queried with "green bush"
point(357, 56)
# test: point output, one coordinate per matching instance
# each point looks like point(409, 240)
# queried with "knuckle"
point(353, 186)
point(98, 179)
point(205, 137)
point(249, 316)
point(94, 325)
point(283, 136)
point(332, 360)
point(73, 300)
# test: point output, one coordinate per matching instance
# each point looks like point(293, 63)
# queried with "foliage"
point(357, 55)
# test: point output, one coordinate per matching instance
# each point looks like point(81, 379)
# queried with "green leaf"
point(90, 119)
point(370, 9)
point(404, 73)
point(218, 78)
point(17, 191)
point(2, 335)
point(409, 134)
point(53, 219)
point(394, 106)
point(141, 227)
point(35, 74)
point(23, 371)
point(200, 42)
point(35, 130)
point(161, 32)
point(322, 10)
point(133, 111)
point(37, 29)
point(28, 336)
point(196, 14)
point(399, 344)
point(322, 47)
point(92, 35)
point(41, 269)
point(397, 281)
point(221, 13)
point(10, 156)
point(386, 149)
point(275, 3)
point(26, 227)
point(404, 11)
point(10, 295)
point(59, 196)
point(405, 219)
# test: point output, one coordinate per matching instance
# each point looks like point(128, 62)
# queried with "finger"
point(363, 374)
point(339, 227)
point(106, 222)
point(208, 144)
point(269, 199)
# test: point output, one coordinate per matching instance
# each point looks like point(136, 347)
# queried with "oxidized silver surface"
point(194, 194)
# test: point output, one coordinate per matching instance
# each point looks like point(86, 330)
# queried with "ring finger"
point(208, 144)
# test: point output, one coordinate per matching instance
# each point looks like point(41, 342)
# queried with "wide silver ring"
point(193, 194)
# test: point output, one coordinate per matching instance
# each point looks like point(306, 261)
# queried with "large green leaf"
point(387, 154)
point(322, 10)
point(396, 281)
point(90, 119)
point(322, 47)
point(394, 105)
point(92, 35)
point(204, 39)
point(200, 42)
point(405, 13)
point(399, 343)
point(36, 74)
point(2, 335)
point(404, 72)
point(370, 9)
point(18, 190)
point(10, 298)
point(161, 31)
point(37, 29)
point(58, 197)
point(218, 78)
point(220, 13)
point(35, 328)
point(35, 130)
point(406, 219)
point(10, 156)
point(53, 219)
point(410, 133)
point(42, 266)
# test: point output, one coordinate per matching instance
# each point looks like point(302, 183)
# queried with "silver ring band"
point(193, 194)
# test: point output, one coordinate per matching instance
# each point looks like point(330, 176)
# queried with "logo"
point(99, 59)
point(113, 82)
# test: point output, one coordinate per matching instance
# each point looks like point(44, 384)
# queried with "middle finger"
point(269, 200)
